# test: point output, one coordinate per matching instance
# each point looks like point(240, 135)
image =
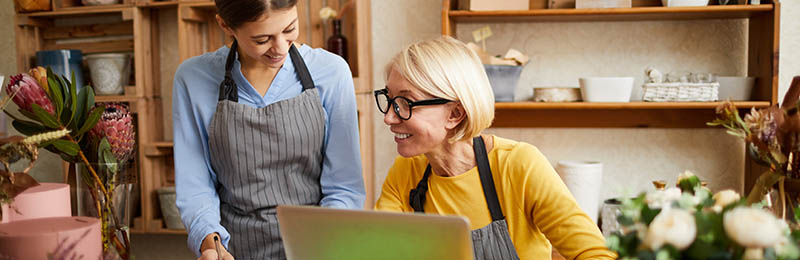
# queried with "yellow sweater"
point(537, 205)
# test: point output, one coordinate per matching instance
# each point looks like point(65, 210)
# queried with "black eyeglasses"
point(402, 105)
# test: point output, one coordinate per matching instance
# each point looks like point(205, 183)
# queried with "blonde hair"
point(446, 68)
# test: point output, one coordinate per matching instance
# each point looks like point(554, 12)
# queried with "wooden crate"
point(71, 4)
point(115, 34)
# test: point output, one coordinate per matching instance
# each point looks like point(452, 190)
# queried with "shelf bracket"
point(193, 15)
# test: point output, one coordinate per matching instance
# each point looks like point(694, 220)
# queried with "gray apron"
point(492, 241)
point(265, 157)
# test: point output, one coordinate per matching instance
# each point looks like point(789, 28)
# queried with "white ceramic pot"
point(110, 72)
point(584, 179)
point(606, 89)
point(100, 2)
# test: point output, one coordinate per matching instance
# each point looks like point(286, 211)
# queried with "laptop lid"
point(325, 233)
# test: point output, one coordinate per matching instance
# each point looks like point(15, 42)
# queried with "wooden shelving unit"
point(134, 27)
point(763, 23)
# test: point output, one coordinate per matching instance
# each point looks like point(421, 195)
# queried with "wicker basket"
point(680, 91)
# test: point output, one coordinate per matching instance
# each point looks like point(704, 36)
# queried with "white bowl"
point(674, 3)
point(606, 89)
point(735, 88)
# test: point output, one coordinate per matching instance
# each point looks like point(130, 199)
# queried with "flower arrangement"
point(94, 135)
point(772, 136)
point(327, 13)
point(687, 222)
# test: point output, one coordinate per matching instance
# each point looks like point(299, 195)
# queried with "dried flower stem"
point(43, 137)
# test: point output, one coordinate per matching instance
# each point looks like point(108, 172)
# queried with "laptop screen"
point(324, 233)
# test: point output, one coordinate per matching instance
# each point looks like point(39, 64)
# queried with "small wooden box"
point(560, 4)
point(490, 5)
point(25, 6)
point(581, 4)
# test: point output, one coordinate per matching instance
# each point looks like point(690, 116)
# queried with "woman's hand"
point(211, 254)
point(212, 249)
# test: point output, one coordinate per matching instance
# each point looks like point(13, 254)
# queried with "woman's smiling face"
point(269, 38)
point(427, 128)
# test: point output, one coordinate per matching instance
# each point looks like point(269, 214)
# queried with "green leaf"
point(28, 128)
point(73, 100)
point(80, 111)
point(89, 98)
point(46, 118)
point(30, 115)
point(51, 81)
point(91, 121)
point(67, 147)
point(57, 97)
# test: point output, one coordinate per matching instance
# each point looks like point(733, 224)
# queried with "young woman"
point(262, 123)
point(437, 101)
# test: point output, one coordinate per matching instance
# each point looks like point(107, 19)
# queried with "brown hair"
point(238, 12)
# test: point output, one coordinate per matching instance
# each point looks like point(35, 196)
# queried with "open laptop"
point(324, 233)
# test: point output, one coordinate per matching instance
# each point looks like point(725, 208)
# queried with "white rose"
point(675, 227)
point(662, 198)
point(685, 175)
point(723, 198)
point(751, 227)
point(327, 13)
point(753, 254)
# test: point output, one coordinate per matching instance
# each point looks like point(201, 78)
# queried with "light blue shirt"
point(195, 94)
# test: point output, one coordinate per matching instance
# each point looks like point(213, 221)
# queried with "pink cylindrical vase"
point(43, 201)
point(51, 238)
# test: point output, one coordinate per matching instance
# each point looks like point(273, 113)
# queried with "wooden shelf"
point(82, 10)
point(612, 115)
point(614, 14)
point(161, 4)
point(624, 105)
point(158, 149)
point(117, 98)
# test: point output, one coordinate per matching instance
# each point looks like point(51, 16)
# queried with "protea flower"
point(26, 92)
point(40, 75)
point(116, 125)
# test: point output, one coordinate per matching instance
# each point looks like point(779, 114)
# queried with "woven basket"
point(680, 91)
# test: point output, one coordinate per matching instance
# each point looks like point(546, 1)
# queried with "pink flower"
point(28, 92)
point(116, 125)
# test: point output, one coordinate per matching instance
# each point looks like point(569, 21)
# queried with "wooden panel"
point(95, 30)
point(92, 47)
point(28, 42)
point(625, 105)
point(763, 41)
point(613, 117)
point(614, 14)
point(365, 107)
point(76, 4)
point(448, 24)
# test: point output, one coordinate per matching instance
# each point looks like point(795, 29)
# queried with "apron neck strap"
point(228, 89)
point(487, 181)
point(300, 68)
point(417, 195)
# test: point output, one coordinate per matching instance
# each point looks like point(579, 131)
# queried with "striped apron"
point(492, 241)
point(265, 157)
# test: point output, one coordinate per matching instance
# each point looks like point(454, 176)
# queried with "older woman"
point(437, 101)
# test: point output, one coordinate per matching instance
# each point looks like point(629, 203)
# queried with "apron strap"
point(227, 88)
point(487, 182)
point(301, 69)
point(417, 195)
